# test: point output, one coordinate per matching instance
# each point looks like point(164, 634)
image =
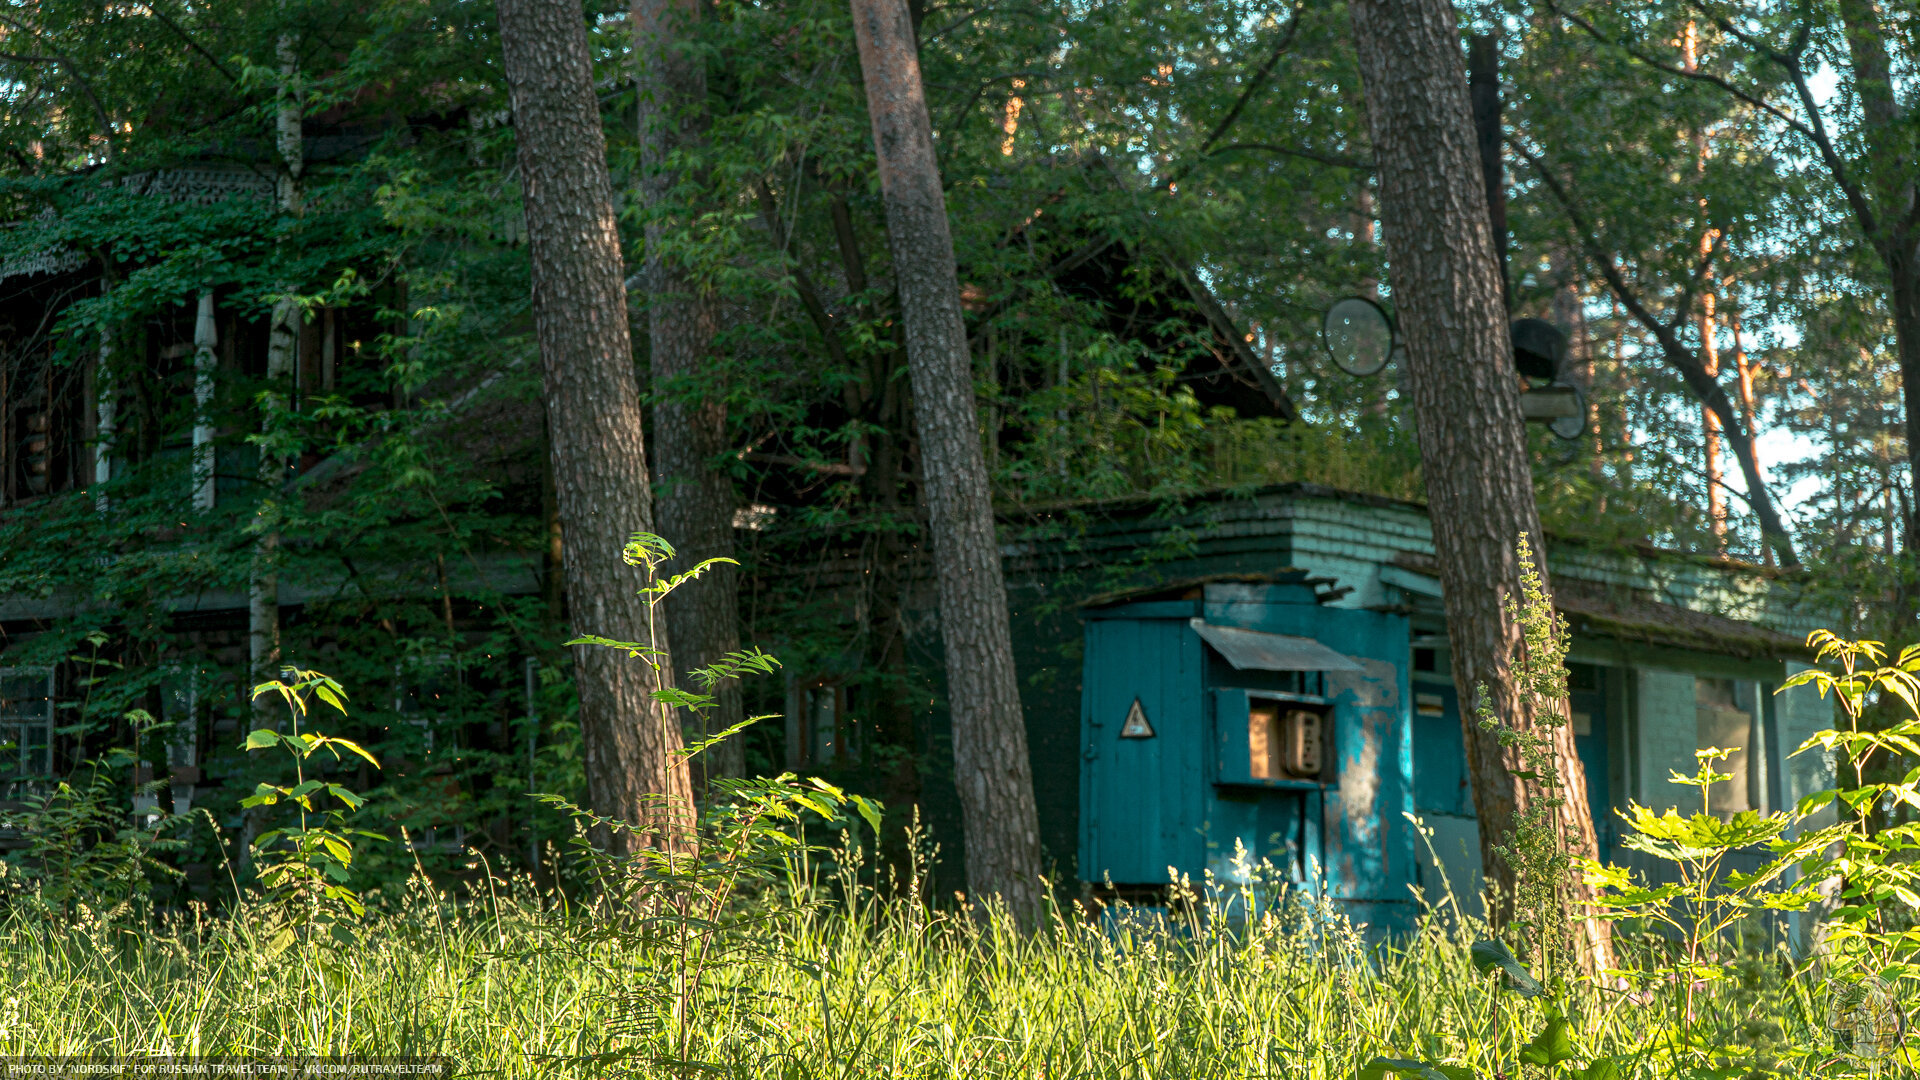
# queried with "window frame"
point(11, 732)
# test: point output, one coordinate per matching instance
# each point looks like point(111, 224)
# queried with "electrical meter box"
point(1230, 723)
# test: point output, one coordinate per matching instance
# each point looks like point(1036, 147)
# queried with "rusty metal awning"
point(1260, 651)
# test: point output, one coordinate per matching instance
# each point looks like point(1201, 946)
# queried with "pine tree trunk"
point(1473, 449)
point(1889, 223)
point(1905, 271)
point(593, 409)
point(695, 500)
point(1000, 828)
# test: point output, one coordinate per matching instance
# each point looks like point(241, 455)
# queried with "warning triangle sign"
point(1136, 726)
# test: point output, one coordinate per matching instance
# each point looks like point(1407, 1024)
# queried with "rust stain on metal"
point(1376, 692)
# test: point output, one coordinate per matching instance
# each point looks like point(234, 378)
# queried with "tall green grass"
point(512, 983)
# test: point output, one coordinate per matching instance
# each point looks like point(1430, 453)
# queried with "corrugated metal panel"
point(1253, 650)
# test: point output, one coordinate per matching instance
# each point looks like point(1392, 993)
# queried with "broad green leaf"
point(1641, 896)
point(1791, 900)
point(1380, 1067)
point(326, 693)
point(354, 748)
point(1552, 1046)
point(1803, 677)
point(1670, 850)
point(1599, 1069)
point(1602, 876)
point(1493, 953)
point(261, 738)
point(682, 699)
point(1814, 803)
point(870, 811)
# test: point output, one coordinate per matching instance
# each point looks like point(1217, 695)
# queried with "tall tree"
point(695, 499)
point(991, 769)
point(283, 338)
point(592, 396)
point(1857, 140)
point(1473, 448)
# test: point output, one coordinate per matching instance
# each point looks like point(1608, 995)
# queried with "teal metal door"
point(1587, 700)
point(1141, 787)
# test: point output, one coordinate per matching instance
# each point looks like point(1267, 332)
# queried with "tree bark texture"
point(1483, 80)
point(991, 769)
point(593, 410)
point(1473, 449)
point(283, 337)
point(206, 337)
point(1893, 226)
point(695, 500)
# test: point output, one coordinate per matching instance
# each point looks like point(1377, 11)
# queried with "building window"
point(40, 428)
point(26, 730)
point(824, 729)
point(181, 704)
point(425, 693)
point(1719, 721)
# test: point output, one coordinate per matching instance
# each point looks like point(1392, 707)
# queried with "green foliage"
point(517, 982)
point(650, 553)
point(1492, 954)
point(1847, 875)
point(672, 896)
point(1700, 912)
point(1535, 845)
point(1097, 158)
point(82, 847)
point(307, 867)
point(1874, 865)
point(1728, 1003)
point(690, 918)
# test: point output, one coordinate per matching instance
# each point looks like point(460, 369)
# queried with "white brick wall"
point(1800, 712)
point(1665, 712)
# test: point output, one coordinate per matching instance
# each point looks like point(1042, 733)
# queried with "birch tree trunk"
point(206, 337)
point(1000, 828)
point(1473, 449)
point(283, 337)
point(593, 410)
point(105, 413)
point(695, 499)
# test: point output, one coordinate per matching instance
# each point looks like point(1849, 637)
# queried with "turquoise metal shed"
point(1175, 657)
point(1238, 722)
point(1671, 651)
